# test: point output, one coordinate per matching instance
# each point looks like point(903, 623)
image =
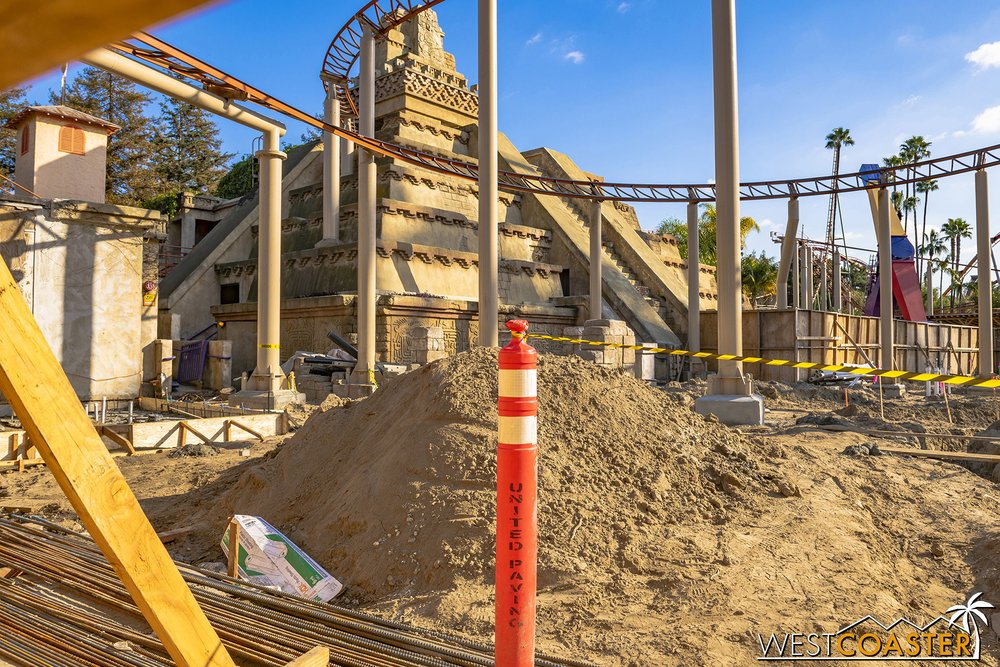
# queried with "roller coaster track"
point(381, 15)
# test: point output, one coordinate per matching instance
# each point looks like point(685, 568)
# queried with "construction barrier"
point(517, 491)
point(985, 381)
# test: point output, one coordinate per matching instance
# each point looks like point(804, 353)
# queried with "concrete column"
point(809, 303)
point(694, 279)
point(985, 278)
point(838, 299)
point(824, 287)
point(363, 372)
point(803, 280)
point(885, 280)
point(268, 376)
point(596, 255)
point(729, 396)
point(796, 272)
point(930, 287)
point(331, 169)
point(787, 251)
point(347, 155)
point(489, 277)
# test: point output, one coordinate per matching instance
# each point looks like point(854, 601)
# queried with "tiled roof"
point(64, 113)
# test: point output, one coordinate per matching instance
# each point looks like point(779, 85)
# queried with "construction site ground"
point(683, 567)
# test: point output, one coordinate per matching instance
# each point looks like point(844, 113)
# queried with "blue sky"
point(624, 87)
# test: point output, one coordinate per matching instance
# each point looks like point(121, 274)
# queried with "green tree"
point(187, 151)
point(238, 182)
point(925, 188)
point(836, 140)
point(759, 275)
point(932, 247)
point(130, 179)
point(955, 230)
point(707, 227)
point(12, 102)
point(914, 149)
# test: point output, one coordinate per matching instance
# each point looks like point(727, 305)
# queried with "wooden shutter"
point(71, 140)
point(24, 140)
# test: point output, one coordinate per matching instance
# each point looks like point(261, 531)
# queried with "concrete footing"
point(266, 400)
point(733, 410)
point(732, 401)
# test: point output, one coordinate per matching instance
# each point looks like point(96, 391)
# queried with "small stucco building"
point(87, 269)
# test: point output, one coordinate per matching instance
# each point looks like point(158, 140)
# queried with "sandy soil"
point(686, 577)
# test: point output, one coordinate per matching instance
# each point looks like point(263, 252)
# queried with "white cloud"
point(624, 7)
point(910, 101)
point(986, 56)
point(575, 57)
point(766, 222)
point(987, 122)
point(535, 39)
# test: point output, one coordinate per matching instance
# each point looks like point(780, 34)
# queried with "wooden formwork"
point(836, 338)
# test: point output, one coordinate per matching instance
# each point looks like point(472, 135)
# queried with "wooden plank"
point(39, 36)
point(119, 440)
point(899, 434)
point(171, 535)
point(43, 399)
point(233, 560)
point(244, 427)
point(318, 657)
point(198, 434)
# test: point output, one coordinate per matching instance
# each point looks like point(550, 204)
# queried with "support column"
point(885, 281)
point(364, 372)
point(796, 276)
point(824, 287)
point(803, 280)
point(596, 255)
point(810, 304)
point(331, 169)
point(838, 299)
point(985, 278)
point(730, 395)
point(489, 277)
point(264, 388)
point(787, 250)
point(694, 279)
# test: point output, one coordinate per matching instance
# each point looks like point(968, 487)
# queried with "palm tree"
point(955, 230)
point(838, 138)
point(933, 246)
point(759, 275)
point(897, 198)
point(914, 149)
point(925, 188)
point(707, 227)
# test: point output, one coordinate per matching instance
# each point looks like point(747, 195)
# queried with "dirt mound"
point(395, 494)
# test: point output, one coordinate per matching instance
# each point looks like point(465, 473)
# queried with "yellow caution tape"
point(965, 380)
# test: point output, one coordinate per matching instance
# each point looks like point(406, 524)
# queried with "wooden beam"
point(318, 657)
point(119, 440)
point(39, 36)
point(233, 562)
point(195, 432)
point(243, 427)
point(50, 412)
point(171, 535)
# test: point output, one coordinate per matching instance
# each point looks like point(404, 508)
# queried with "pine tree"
point(131, 179)
point(187, 152)
point(12, 102)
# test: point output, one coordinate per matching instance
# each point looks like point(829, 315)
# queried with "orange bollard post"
point(517, 491)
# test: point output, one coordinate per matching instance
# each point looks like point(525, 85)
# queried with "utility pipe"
point(365, 369)
point(787, 250)
point(489, 276)
point(984, 280)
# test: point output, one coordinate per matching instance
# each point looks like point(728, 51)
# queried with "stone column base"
point(266, 400)
point(607, 331)
point(893, 390)
point(732, 401)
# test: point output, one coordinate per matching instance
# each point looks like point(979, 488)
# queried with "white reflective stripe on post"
point(518, 430)
point(518, 383)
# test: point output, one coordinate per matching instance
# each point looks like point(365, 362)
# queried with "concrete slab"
point(893, 390)
point(733, 410)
